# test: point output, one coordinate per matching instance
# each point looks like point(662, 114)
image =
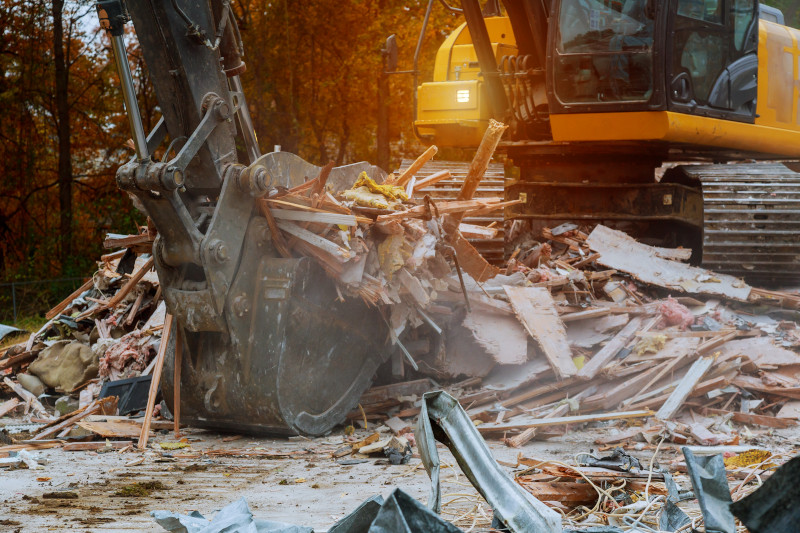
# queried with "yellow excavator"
point(602, 93)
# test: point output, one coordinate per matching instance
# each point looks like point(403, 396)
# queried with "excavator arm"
point(267, 347)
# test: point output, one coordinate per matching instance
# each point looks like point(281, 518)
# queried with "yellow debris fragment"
point(173, 445)
point(650, 344)
point(748, 458)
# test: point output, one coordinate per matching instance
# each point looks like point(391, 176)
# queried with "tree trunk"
point(64, 133)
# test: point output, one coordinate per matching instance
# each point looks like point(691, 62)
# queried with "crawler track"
point(751, 220)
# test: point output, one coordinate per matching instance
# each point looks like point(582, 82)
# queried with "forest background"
point(311, 85)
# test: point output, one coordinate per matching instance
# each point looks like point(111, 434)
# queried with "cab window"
point(705, 10)
point(604, 51)
point(743, 15)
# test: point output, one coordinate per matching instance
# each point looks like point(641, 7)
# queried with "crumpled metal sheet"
point(443, 419)
point(234, 518)
point(5, 331)
point(401, 513)
point(672, 517)
point(711, 489)
point(359, 520)
point(774, 507)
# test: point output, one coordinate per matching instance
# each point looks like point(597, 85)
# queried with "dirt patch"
point(142, 489)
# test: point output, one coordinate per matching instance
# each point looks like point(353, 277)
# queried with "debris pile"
point(567, 341)
point(586, 329)
point(98, 345)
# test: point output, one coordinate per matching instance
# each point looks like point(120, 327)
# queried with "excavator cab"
point(599, 94)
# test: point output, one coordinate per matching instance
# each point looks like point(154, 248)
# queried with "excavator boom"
point(267, 347)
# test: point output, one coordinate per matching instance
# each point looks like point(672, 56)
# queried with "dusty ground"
point(309, 488)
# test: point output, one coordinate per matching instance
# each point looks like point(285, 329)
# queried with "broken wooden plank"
point(154, 383)
point(94, 446)
point(8, 406)
point(340, 253)
point(418, 163)
point(29, 398)
point(321, 217)
point(442, 208)
point(130, 284)
point(607, 352)
point(584, 315)
point(58, 309)
point(472, 231)
point(569, 492)
point(115, 429)
point(749, 418)
point(685, 388)
point(19, 359)
point(471, 261)
point(536, 311)
point(621, 252)
point(433, 179)
point(90, 409)
point(126, 241)
point(564, 420)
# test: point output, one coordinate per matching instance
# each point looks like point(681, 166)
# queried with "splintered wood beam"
point(154, 382)
point(309, 216)
point(472, 231)
point(684, 388)
point(433, 179)
point(176, 381)
point(479, 164)
point(443, 208)
point(607, 352)
point(57, 310)
point(536, 310)
point(563, 420)
point(341, 254)
point(131, 283)
point(426, 156)
point(29, 398)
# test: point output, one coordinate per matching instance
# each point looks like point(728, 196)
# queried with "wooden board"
point(685, 388)
point(501, 336)
point(536, 311)
point(568, 492)
point(621, 252)
point(607, 352)
point(563, 420)
point(8, 406)
point(117, 429)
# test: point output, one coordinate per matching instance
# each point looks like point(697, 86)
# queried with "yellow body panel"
point(439, 113)
point(776, 129)
point(675, 128)
point(778, 76)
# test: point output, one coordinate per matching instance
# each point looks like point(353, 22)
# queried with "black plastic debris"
point(401, 513)
point(397, 456)
point(711, 489)
point(619, 460)
point(672, 517)
point(361, 519)
point(235, 517)
point(775, 506)
point(132, 393)
point(443, 419)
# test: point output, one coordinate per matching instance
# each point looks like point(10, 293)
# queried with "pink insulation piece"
point(128, 357)
point(675, 314)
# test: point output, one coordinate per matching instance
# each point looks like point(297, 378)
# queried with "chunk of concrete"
point(31, 384)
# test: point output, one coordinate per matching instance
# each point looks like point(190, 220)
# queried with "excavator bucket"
point(296, 358)
point(267, 343)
